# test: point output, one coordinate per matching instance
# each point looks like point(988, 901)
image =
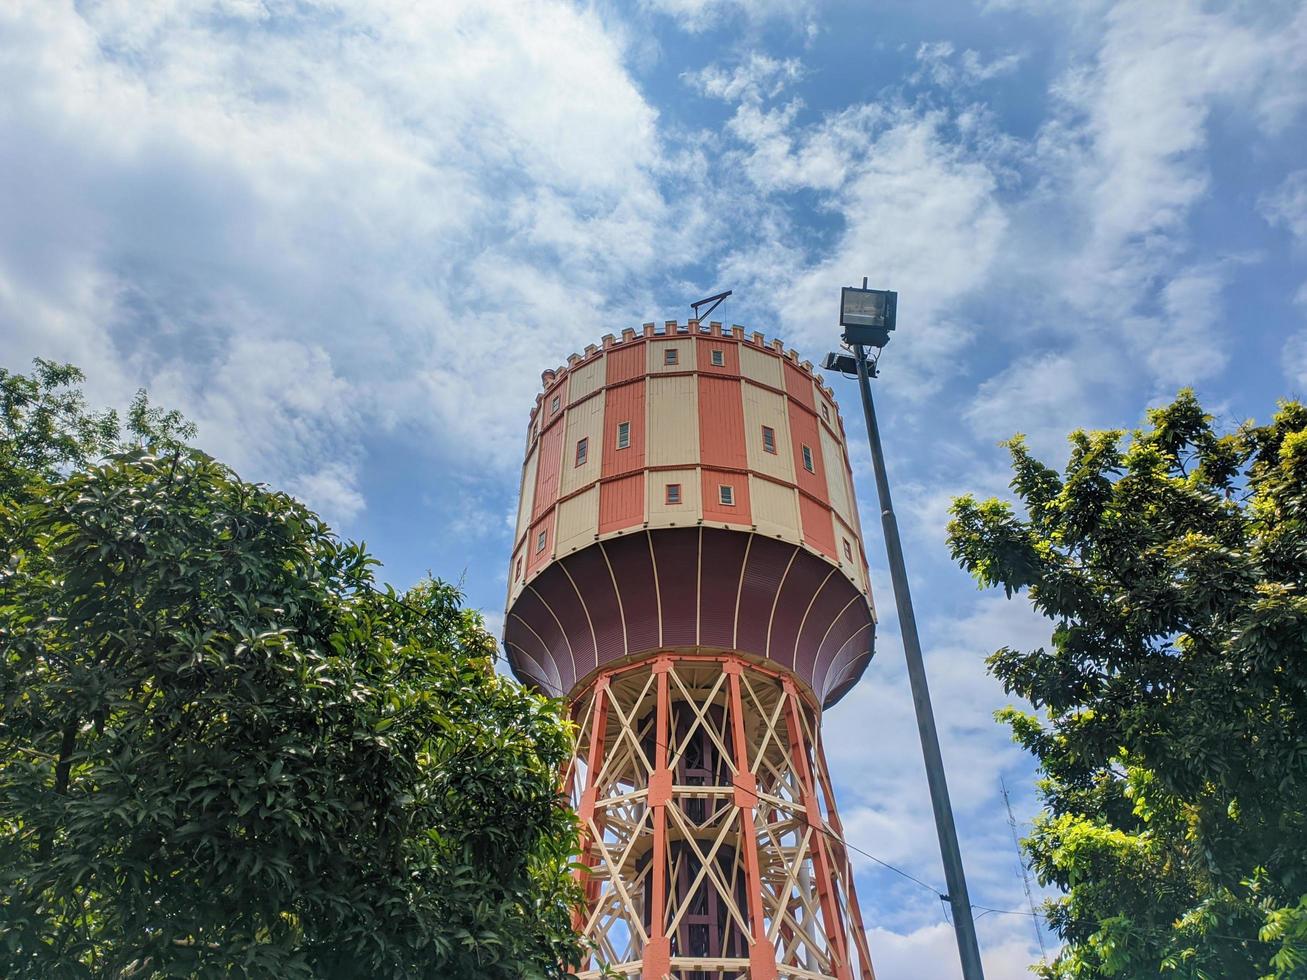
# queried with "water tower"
point(688, 571)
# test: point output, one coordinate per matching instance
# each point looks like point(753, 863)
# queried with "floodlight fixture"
point(843, 363)
point(867, 315)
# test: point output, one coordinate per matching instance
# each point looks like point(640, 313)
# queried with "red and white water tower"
point(689, 573)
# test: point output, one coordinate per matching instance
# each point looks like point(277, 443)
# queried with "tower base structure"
point(710, 840)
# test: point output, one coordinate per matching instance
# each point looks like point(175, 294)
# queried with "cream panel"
point(526, 499)
point(684, 347)
point(763, 407)
point(672, 421)
point(853, 569)
point(663, 514)
point(761, 367)
point(515, 583)
point(578, 520)
point(837, 477)
point(855, 518)
point(585, 379)
point(775, 509)
point(583, 422)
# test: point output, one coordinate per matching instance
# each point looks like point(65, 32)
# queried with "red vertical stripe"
point(803, 432)
point(623, 404)
point(818, 529)
point(721, 423)
point(730, 356)
point(621, 503)
point(714, 509)
point(548, 468)
point(624, 363)
point(799, 385)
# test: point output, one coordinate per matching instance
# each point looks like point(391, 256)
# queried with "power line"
point(985, 910)
point(885, 864)
point(942, 896)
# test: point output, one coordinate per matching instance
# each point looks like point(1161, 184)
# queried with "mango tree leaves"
point(225, 752)
point(1173, 693)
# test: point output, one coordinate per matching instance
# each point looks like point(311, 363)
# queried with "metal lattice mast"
point(710, 836)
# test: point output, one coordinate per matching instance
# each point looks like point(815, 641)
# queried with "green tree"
point(1173, 736)
point(225, 752)
point(46, 430)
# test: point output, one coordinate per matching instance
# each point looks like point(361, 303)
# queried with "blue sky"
point(346, 238)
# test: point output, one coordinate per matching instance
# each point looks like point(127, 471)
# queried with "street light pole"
point(963, 924)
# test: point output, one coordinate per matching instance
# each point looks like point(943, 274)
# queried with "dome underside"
point(685, 588)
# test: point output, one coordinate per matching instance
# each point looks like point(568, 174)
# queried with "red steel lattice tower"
point(689, 572)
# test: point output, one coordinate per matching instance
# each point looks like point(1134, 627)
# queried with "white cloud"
point(918, 207)
point(1126, 146)
point(930, 953)
point(1287, 205)
point(299, 223)
point(922, 215)
point(1182, 343)
point(1044, 396)
point(756, 77)
point(1295, 363)
point(332, 489)
point(940, 67)
point(1100, 246)
point(695, 16)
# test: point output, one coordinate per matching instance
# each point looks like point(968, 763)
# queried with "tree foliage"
point(1173, 742)
point(46, 430)
point(225, 752)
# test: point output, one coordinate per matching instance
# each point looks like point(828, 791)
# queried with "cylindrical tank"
point(683, 488)
point(688, 570)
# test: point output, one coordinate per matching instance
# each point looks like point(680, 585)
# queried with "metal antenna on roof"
point(716, 301)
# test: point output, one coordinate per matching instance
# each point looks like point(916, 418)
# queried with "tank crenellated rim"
point(673, 328)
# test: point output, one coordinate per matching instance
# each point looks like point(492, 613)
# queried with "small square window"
point(554, 404)
point(623, 435)
point(670, 355)
point(518, 573)
point(769, 439)
point(848, 551)
point(582, 450)
point(540, 542)
point(673, 493)
point(825, 411)
point(718, 357)
point(807, 460)
point(726, 494)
